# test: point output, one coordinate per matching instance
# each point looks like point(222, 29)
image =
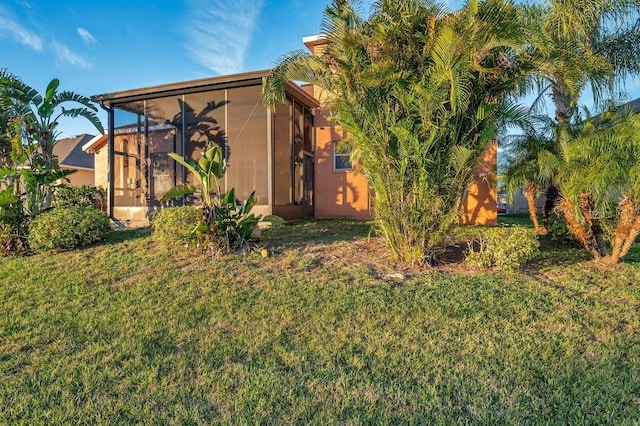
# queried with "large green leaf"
point(248, 205)
point(51, 89)
point(179, 191)
point(7, 196)
point(189, 164)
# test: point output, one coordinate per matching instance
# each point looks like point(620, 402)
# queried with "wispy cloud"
point(220, 32)
point(86, 36)
point(64, 55)
point(12, 28)
point(25, 4)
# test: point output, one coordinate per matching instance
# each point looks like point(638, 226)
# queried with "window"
point(341, 156)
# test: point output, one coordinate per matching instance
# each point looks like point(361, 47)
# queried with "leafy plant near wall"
point(225, 225)
point(421, 93)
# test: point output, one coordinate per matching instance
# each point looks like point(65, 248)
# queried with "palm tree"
point(572, 47)
point(576, 44)
point(39, 115)
point(523, 170)
point(599, 165)
point(421, 92)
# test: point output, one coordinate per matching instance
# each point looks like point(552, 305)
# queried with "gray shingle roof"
point(635, 105)
point(70, 154)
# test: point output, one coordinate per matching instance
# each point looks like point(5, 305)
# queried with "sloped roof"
point(194, 86)
point(634, 105)
point(70, 153)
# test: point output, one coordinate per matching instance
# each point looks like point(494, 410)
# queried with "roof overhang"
point(71, 167)
point(95, 144)
point(314, 40)
point(195, 86)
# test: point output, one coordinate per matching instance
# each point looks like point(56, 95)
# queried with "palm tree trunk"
point(583, 234)
point(562, 103)
point(550, 202)
point(530, 193)
point(587, 205)
point(623, 230)
point(631, 239)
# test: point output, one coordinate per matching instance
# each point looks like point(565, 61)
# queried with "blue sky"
point(96, 47)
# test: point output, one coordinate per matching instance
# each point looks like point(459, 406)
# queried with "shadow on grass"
point(311, 231)
point(122, 235)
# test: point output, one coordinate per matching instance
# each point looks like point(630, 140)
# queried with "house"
point(271, 152)
point(289, 156)
point(72, 157)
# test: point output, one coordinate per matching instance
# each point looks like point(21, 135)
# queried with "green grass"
point(328, 330)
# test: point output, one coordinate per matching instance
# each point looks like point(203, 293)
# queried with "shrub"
point(13, 224)
point(13, 237)
point(79, 196)
point(504, 247)
point(175, 224)
point(68, 227)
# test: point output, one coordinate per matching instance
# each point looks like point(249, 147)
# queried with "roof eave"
point(95, 144)
point(182, 87)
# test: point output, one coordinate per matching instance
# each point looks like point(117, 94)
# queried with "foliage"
point(79, 196)
point(572, 47)
point(175, 224)
point(13, 223)
point(207, 172)
point(36, 116)
point(67, 228)
point(504, 247)
point(559, 231)
point(523, 170)
point(33, 183)
point(122, 333)
point(421, 93)
point(235, 225)
point(599, 181)
point(226, 225)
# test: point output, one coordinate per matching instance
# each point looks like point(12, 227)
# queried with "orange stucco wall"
point(81, 177)
point(479, 206)
point(337, 193)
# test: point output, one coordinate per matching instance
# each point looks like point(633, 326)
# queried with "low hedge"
point(502, 247)
point(67, 228)
point(175, 224)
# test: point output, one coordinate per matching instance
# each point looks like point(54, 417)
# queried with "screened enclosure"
point(269, 152)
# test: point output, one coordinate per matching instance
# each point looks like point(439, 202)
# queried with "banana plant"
point(224, 219)
point(207, 171)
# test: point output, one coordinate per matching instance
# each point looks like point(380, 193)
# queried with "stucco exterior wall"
point(338, 193)
point(81, 177)
point(479, 206)
point(101, 168)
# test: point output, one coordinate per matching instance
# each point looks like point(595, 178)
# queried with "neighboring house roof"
point(70, 153)
point(634, 105)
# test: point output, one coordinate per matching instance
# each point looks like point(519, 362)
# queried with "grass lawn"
point(327, 330)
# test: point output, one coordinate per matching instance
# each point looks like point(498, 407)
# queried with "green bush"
point(67, 228)
point(13, 225)
point(503, 247)
point(79, 196)
point(175, 224)
point(13, 237)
